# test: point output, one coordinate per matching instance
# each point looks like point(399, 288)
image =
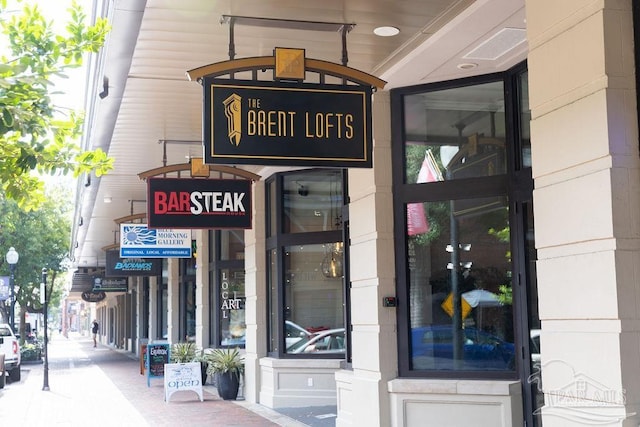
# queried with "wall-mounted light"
point(105, 88)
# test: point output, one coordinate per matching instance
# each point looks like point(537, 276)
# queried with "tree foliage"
point(41, 238)
point(35, 135)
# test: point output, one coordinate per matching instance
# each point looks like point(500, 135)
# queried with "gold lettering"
point(251, 122)
point(349, 126)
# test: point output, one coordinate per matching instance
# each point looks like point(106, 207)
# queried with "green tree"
point(35, 135)
point(41, 237)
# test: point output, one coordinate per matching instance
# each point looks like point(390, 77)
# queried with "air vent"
point(499, 44)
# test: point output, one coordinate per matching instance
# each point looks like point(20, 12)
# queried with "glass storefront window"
point(312, 201)
point(455, 133)
point(460, 288)
point(227, 288)
point(314, 316)
point(305, 258)
point(232, 308)
point(525, 119)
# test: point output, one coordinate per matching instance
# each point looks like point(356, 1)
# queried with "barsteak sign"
point(199, 203)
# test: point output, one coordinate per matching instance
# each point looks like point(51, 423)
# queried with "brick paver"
point(103, 387)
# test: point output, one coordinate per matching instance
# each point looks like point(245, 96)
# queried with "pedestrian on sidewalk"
point(94, 331)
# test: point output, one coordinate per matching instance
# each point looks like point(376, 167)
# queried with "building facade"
point(482, 271)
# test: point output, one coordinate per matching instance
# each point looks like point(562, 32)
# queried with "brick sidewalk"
point(103, 387)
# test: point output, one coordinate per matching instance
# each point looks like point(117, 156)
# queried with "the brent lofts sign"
point(286, 123)
point(199, 203)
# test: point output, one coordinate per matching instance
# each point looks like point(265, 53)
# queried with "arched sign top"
point(269, 62)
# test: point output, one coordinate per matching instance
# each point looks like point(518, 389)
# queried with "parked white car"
point(10, 347)
point(326, 342)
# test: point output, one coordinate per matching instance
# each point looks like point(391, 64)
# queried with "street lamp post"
point(12, 259)
point(44, 300)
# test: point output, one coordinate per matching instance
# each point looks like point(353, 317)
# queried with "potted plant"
point(183, 352)
point(227, 365)
point(202, 358)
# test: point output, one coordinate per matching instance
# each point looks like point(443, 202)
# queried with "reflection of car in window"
point(432, 348)
point(294, 333)
point(330, 341)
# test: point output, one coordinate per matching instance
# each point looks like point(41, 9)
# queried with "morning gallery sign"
point(199, 203)
point(285, 123)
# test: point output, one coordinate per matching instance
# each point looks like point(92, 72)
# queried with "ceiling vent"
point(499, 44)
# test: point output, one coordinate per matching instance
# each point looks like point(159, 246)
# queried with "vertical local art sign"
point(199, 203)
point(285, 123)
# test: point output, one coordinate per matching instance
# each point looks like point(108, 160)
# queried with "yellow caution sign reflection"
point(447, 306)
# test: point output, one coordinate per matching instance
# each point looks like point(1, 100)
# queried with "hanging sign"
point(137, 240)
point(284, 123)
point(110, 284)
point(93, 296)
point(199, 203)
point(120, 267)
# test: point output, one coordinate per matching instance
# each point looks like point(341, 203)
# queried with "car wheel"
point(2, 380)
point(14, 374)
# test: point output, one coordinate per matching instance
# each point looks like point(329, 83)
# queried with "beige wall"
point(586, 201)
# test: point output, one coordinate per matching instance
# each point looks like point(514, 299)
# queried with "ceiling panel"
point(151, 99)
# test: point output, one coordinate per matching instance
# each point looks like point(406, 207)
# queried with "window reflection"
point(460, 287)
point(461, 131)
point(314, 318)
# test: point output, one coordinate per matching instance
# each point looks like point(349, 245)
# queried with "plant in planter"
point(202, 357)
point(227, 365)
point(183, 352)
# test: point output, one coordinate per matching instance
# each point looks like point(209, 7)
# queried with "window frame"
point(515, 184)
point(276, 242)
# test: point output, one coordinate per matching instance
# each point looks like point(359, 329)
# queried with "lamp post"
point(44, 300)
point(12, 259)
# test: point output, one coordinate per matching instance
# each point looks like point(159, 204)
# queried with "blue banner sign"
point(137, 240)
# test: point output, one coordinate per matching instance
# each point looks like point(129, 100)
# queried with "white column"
point(202, 289)
point(374, 360)
point(173, 301)
point(587, 208)
point(153, 308)
point(256, 295)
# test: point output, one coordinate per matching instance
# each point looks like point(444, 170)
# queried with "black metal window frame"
point(277, 240)
point(216, 265)
point(516, 184)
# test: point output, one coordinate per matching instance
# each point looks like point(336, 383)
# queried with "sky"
point(73, 87)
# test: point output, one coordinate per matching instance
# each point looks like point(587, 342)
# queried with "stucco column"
point(373, 338)
point(202, 288)
point(153, 308)
point(173, 301)
point(587, 209)
point(256, 295)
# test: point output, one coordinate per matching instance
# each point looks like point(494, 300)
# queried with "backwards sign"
point(199, 203)
point(292, 124)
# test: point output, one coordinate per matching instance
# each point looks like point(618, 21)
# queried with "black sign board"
point(93, 296)
point(157, 356)
point(119, 267)
point(199, 203)
point(110, 284)
point(291, 124)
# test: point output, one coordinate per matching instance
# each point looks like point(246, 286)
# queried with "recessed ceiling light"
point(467, 65)
point(108, 199)
point(386, 31)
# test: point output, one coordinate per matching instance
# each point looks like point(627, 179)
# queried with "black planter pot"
point(203, 372)
point(227, 384)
